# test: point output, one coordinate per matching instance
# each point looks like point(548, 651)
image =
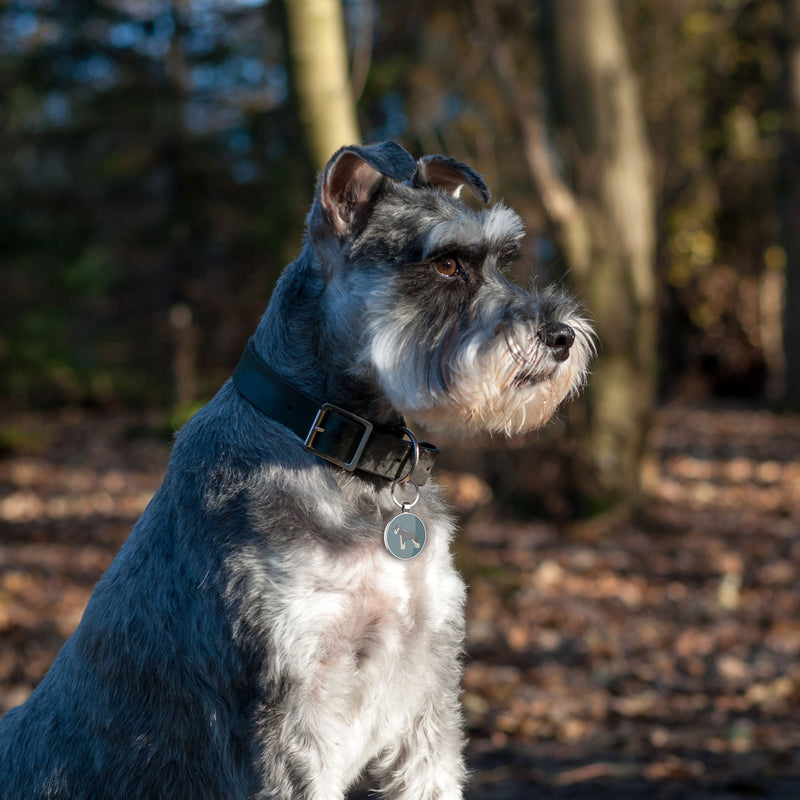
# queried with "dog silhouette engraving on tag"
point(404, 536)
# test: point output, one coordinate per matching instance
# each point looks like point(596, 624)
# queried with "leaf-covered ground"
point(614, 658)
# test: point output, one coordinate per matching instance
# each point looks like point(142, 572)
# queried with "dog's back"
point(149, 680)
point(218, 604)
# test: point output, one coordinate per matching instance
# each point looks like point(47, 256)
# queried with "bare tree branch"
point(559, 202)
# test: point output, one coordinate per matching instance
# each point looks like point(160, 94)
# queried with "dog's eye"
point(448, 267)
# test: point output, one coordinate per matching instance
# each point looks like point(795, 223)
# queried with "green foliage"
point(146, 147)
point(152, 156)
point(181, 414)
point(715, 114)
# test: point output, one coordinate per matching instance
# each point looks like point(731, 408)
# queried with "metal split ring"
point(414, 457)
point(402, 481)
point(400, 504)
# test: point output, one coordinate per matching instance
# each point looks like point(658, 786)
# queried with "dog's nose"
point(559, 338)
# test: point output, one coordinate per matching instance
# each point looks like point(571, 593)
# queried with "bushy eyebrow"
point(497, 231)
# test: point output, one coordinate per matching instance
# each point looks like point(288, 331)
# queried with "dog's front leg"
point(427, 762)
point(296, 764)
point(314, 728)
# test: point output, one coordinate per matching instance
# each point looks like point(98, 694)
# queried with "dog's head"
point(415, 288)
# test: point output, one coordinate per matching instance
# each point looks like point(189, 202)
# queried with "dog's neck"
point(331, 432)
point(293, 340)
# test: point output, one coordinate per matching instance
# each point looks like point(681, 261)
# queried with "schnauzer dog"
point(262, 633)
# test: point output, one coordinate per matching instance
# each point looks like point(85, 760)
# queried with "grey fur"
point(253, 638)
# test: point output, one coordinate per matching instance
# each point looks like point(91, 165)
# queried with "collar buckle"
point(317, 428)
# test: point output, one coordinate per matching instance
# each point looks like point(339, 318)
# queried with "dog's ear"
point(352, 177)
point(451, 175)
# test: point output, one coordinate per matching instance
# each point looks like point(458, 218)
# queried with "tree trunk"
point(319, 55)
point(604, 219)
point(609, 234)
point(791, 206)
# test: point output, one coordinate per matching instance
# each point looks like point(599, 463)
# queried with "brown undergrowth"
point(657, 657)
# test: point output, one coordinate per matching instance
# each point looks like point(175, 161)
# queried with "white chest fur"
point(363, 639)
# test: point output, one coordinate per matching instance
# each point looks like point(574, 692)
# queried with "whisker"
point(517, 353)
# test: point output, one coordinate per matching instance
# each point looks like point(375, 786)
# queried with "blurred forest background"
point(156, 172)
point(158, 160)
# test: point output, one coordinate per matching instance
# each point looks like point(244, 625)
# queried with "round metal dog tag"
point(404, 536)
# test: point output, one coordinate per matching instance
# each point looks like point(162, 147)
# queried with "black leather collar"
point(328, 431)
